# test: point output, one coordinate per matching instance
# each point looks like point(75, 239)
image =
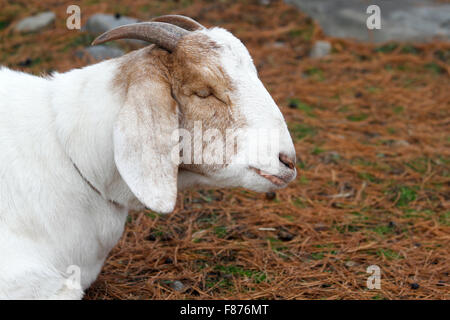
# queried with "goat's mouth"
point(276, 180)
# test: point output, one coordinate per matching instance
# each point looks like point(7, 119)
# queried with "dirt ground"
point(371, 126)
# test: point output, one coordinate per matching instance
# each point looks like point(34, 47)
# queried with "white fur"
point(50, 218)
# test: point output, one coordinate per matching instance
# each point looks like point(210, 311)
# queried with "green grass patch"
point(158, 232)
point(278, 247)
point(409, 49)
point(412, 213)
point(303, 180)
point(299, 203)
point(208, 221)
point(305, 33)
point(221, 283)
point(289, 218)
point(357, 117)
point(220, 231)
point(346, 228)
point(419, 165)
point(317, 255)
point(362, 162)
point(434, 68)
point(387, 48)
point(152, 215)
point(306, 108)
point(256, 276)
point(368, 177)
point(320, 255)
point(389, 254)
point(316, 151)
point(398, 109)
point(406, 195)
point(82, 40)
point(3, 24)
point(359, 216)
point(383, 230)
point(391, 131)
point(344, 109)
point(444, 219)
point(315, 73)
point(373, 89)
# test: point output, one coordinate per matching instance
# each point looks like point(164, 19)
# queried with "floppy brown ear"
point(143, 146)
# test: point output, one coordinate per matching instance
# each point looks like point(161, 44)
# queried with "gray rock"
point(320, 49)
point(279, 45)
point(35, 23)
point(177, 286)
point(400, 143)
point(351, 263)
point(98, 53)
point(402, 20)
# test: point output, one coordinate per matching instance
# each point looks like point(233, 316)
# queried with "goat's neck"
point(86, 105)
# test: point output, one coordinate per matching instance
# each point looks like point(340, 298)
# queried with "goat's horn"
point(163, 34)
point(181, 21)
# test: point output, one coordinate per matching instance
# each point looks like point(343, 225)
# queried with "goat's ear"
point(143, 145)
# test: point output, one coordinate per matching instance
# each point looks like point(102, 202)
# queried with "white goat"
point(80, 149)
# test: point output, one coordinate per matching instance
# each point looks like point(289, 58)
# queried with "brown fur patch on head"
point(139, 66)
point(197, 69)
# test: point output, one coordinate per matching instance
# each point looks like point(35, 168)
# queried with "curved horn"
point(163, 34)
point(181, 21)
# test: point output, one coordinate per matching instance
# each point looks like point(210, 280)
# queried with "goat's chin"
point(237, 177)
point(261, 181)
point(260, 184)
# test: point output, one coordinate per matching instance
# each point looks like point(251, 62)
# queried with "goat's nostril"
point(287, 161)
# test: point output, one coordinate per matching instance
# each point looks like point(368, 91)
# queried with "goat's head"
point(233, 134)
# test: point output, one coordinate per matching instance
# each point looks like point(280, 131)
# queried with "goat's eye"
point(204, 93)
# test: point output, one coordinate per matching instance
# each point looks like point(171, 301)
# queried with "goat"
point(79, 149)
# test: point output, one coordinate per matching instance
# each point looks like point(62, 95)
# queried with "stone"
point(177, 286)
point(99, 53)
point(350, 263)
point(285, 236)
point(415, 286)
point(271, 195)
point(400, 143)
point(100, 23)
point(279, 45)
point(35, 23)
point(320, 49)
point(198, 235)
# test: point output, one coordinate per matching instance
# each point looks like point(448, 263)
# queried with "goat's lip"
point(272, 178)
